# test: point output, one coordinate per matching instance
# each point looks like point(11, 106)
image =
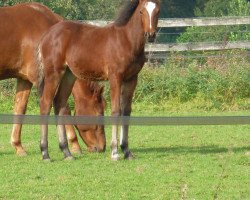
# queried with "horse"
point(21, 28)
point(89, 101)
point(115, 52)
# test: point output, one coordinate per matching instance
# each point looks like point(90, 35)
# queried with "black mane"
point(126, 12)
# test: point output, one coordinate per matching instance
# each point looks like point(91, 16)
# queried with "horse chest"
point(134, 67)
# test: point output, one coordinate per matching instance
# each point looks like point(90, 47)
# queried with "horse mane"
point(126, 12)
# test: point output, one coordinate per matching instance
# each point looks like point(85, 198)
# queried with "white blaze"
point(150, 6)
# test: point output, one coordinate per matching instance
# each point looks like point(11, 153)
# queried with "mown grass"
point(174, 162)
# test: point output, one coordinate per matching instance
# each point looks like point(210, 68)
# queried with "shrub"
point(218, 81)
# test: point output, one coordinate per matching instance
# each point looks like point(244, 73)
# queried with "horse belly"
point(10, 57)
point(7, 73)
point(89, 69)
point(92, 75)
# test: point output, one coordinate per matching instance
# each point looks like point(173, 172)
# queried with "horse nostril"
point(151, 37)
point(152, 34)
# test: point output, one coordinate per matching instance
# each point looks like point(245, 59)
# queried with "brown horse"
point(71, 50)
point(88, 98)
point(21, 28)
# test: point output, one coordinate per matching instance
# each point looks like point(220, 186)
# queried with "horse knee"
point(116, 113)
point(126, 112)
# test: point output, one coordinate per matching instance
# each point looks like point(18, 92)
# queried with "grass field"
point(172, 162)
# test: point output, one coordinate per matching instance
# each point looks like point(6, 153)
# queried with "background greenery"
point(220, 83)
point(189, 80)
point(90, 9)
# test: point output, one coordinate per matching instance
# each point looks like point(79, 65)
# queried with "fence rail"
point(200, 46)
point(203, 21)
point(185, 22)
point(124, 120)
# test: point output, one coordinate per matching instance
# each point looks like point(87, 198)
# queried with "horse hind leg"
point(21, 100)
point(60, 106)
point(50, 85)
point(126, 101)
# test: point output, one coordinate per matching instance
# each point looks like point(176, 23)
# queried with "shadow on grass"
point(211, 149)
point(6, 152)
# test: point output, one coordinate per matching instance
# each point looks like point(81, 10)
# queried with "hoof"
point(69, 158)
point(47, 160)
point(76, 151)
point(21, 153)
point(128, 156)
point(115, 157)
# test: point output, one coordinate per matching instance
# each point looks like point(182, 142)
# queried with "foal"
point(71, 50)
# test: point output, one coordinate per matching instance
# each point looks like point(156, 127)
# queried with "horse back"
point(91, 52)
point(21, 27)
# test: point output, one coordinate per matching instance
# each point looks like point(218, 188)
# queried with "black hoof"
point(128, 156)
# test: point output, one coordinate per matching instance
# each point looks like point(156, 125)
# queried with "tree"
point(97, 9)
point(219, 8)
point(77, 9)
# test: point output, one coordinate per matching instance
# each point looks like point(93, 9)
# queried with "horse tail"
point(40, 83)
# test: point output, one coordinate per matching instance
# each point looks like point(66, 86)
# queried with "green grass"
point(172, 162)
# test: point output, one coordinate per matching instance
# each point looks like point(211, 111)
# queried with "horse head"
point(93, 136)
point(149, 10)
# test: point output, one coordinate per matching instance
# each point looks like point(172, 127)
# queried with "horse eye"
point(141, 12)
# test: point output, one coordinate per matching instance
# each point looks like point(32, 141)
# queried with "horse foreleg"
point(60, 106)
point(127, 93)
point(21, 100)
point(71, 135)
point(72, 138)
point(115, 91)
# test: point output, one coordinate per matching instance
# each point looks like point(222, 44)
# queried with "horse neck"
point(135, 32)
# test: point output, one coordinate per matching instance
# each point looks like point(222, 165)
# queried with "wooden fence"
point(201, 46)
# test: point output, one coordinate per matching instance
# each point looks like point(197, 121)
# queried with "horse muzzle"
point(96, 148)
point(150, 36)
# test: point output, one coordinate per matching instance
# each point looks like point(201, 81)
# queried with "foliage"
point(219, 8)
point(97, 9)
point(77, 9)
point(217, 81)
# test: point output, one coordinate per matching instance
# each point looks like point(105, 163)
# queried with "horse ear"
point(98, 93)
point(101, 89)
